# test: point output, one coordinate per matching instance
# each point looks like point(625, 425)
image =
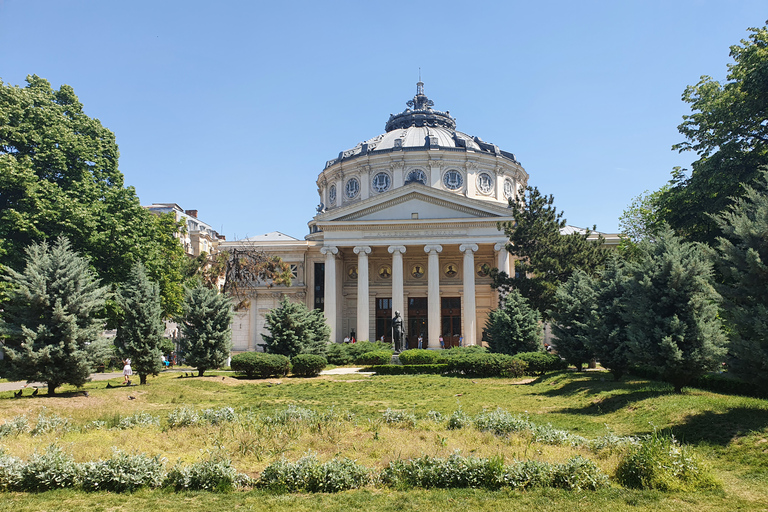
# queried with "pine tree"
point(575, 318)
point(141, 330)
point(294, 329)
point(206, 328)
point(514, 327)
point(49, 324)
point(743, 262)
point(672, 311)
point(609, 338)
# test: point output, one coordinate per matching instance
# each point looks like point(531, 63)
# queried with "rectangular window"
point(320, 286)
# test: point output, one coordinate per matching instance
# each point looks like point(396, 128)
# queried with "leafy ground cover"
point(375, 420)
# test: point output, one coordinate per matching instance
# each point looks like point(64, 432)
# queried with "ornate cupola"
point(420, 113)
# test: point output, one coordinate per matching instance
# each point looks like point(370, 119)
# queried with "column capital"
point(396, 248)
point(362, 249)
point(329, 249)
point(433, 248)
point(501, 246)
point(468, 248)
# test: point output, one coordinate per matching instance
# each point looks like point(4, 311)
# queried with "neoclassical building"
point(407, 221)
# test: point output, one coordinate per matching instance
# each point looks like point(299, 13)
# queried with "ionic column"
point(329, 307)
point(433, 295)
point(363, 300)
point(470, 314)
point(502, 258)
point(398, 302)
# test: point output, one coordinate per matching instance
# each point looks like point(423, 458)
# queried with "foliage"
point(543, 252)
point(215, 474)
point(575, 319)
point(49, 422)
point(727, 130)
point(59, 177)
point(260, 365)
point(308, 365)
point(139, 419)
point(486, 365)
point(294, 329)
point(539, 363)
point(49, 318)
point(122, 473)
point(408, 369)
point(743, 263)
point(421, 356)
point(141, 330)
point(15, 426)
point(660, 462)
point(400, 418)
point(247, 268)
point(513, 327)
point(342, 354)
point(308, 474)
point(672, 311)
point(206, 336)
point(376, 357)
point(52, 469)
point(641, 220)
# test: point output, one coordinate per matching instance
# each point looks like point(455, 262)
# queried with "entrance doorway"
point(417, 322)
point(450, 325)
point(384, 320)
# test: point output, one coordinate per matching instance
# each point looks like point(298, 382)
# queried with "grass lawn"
point(729, 433)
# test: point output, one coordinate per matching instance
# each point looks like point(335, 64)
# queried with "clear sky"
point(233, 108)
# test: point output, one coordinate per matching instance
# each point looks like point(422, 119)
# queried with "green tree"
point(294, 329)
point(514, 327)
point(206, 334)
point(141, 330)
point(51, 334)
point(672, 311)
point(545, 257)
point(727, 129)
point(59, 177)
point(575, 318)
point(743, 263)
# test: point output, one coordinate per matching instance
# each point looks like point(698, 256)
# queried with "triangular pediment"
point(415, 202)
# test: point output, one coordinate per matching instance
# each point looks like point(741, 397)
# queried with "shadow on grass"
point(721, 428)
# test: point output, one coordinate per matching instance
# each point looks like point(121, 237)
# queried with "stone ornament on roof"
point(420, 113)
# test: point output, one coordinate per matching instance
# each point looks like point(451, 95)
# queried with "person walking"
point(127, 372)
point(421, 339)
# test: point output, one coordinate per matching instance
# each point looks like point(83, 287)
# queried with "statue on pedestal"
point(398, 333)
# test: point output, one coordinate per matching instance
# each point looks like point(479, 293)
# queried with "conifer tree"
point(49, 324)
point(609, 338)
point(575, 318)
point(206, 328)
point(672, 311)
point(294, 329)
point(743, 262)
point(514, 327)
point(141, 330)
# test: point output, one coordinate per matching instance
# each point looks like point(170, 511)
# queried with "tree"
point(206, 335)
point(51, 333)
point(672, 311)
point(575, 319)
point(514, 327)
point(141, 330)
point(543, 252)
point(59, 177)
point(247, 268)
point(727, 129)
point(743, 263)
point(294, 329)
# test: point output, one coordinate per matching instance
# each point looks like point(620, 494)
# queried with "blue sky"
point(233, 108)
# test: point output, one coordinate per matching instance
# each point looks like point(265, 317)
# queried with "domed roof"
point(421, 127)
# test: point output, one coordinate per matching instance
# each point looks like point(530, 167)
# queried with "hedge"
point(540, 363)
point(374, 358)
point(342, 354)
point(414, 369)
point(480, 364)
point(308, 365)
point(260, 365)
point(421, 356)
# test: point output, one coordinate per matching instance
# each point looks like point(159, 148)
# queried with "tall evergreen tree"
point(294, 329)
point(743, 262)
point(206, 334)
point(49, 320)
point(514, 327)
point(672, 311)
point(609, 338)
point(141, 330)
point(575, 318)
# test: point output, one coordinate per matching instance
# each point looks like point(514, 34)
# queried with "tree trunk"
point(142, 378)
point(52, 388)
point(200, 372)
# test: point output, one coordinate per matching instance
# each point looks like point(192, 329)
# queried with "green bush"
point(338, 354)
point(421, 356)
point(310, 475)
point(452, 352)
point(374, 357)
point(308, 365)
point(53, 469)
point(208, 475)
point(122, 473)
point(660, 462)
point(260, 365)
point(416, 369)
point(400, 418)
point(10, 471)
point(15, 426)
point(540, 363)
point(455, 471)
point(479, 364)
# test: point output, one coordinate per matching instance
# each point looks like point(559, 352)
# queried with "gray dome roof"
point(420, 127)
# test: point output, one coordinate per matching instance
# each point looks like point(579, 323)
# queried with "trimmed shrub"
point(308, 365)
point(260, 365)
point(122, 473)
point(486, 365)
point(421, 356)
point(310, 475)
point(540, 363)
point(374, 357)
point(415, 369)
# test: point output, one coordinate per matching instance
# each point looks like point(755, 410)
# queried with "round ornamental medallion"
point(332, 194)
point(509, 188)
point(418, 271)
point(451, 270)
point(385, 272)
point(381, 182)
point(416, 176)
point(484, 183)
point(352, 188)
point(352, 272)
point(483, 269)
point(453, 180)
